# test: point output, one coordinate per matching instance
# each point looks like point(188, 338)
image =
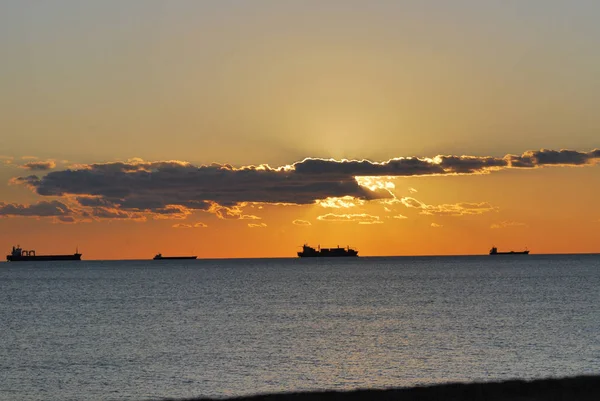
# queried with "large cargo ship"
point(310, 252)
point(161, 257)
point(494, 251)
point(22, 255)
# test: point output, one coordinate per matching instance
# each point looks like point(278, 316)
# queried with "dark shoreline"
point(579, 388)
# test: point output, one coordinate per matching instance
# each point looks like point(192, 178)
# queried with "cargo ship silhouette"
point(21, 255)
point(494, 251)
point(159, 256)
point(310, 252)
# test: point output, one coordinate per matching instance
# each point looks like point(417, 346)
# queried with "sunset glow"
point(246, 129)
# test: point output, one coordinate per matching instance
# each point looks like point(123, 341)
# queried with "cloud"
point(159, 187)
point(398, 216)
point(459, 209)
point(116, 214)
point(412, 202)
point(505, 224)
point(70, 219)
point(435, 225)
point(261, 225)
point(361, 218)
point(412, 190)
point(546, 157)
point(39, 165)
point(455, 209)
point(197, 225)
point(170, 212)
point(345, 202)
point(299, 222)
point(249, 217)
point(40, 209)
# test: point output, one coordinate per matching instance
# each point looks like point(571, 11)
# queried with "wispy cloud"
point(183, 225)
point(249, 217)
point(299, 222)
point(454, 209)
point(361, 218)
point(261, 225)
point(70, 220)
point(398, 216)
point(436, 225)
point(345, 202)
point(505, 224)
point(39, 165)
point(116, 214)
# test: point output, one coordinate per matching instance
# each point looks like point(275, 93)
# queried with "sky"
point(247, 128)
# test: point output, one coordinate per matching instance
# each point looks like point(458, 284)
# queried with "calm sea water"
point(138, 330)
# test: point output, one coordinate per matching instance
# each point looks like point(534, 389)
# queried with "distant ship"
point(161, 257)
point(21, 255)
point(310, 252)
point(494, 251)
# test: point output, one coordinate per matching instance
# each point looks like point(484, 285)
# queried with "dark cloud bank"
point(156, 186)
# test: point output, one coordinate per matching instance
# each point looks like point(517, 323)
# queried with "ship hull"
point(510, 253)
point(174, 257)
point(42, 258)
point(321, 255)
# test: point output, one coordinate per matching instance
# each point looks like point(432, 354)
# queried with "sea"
point(150, 330)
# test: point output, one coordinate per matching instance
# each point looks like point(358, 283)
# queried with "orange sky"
point(544, 209)
point(100, 97)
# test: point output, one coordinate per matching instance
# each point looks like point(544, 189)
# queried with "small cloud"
point(29, 157)
point(249, 217)
point(435, 225)
point(398, 216)
point(70, 220)
point(299, 222)
point(171, 212)
point(361, 218)
point(454, 209)
point(39, 165)
point(111, 213)
point(344, 202)
point(412, 202)
point(504, 224)
point(412, 190)
point(261, 225)
point(183, 225)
